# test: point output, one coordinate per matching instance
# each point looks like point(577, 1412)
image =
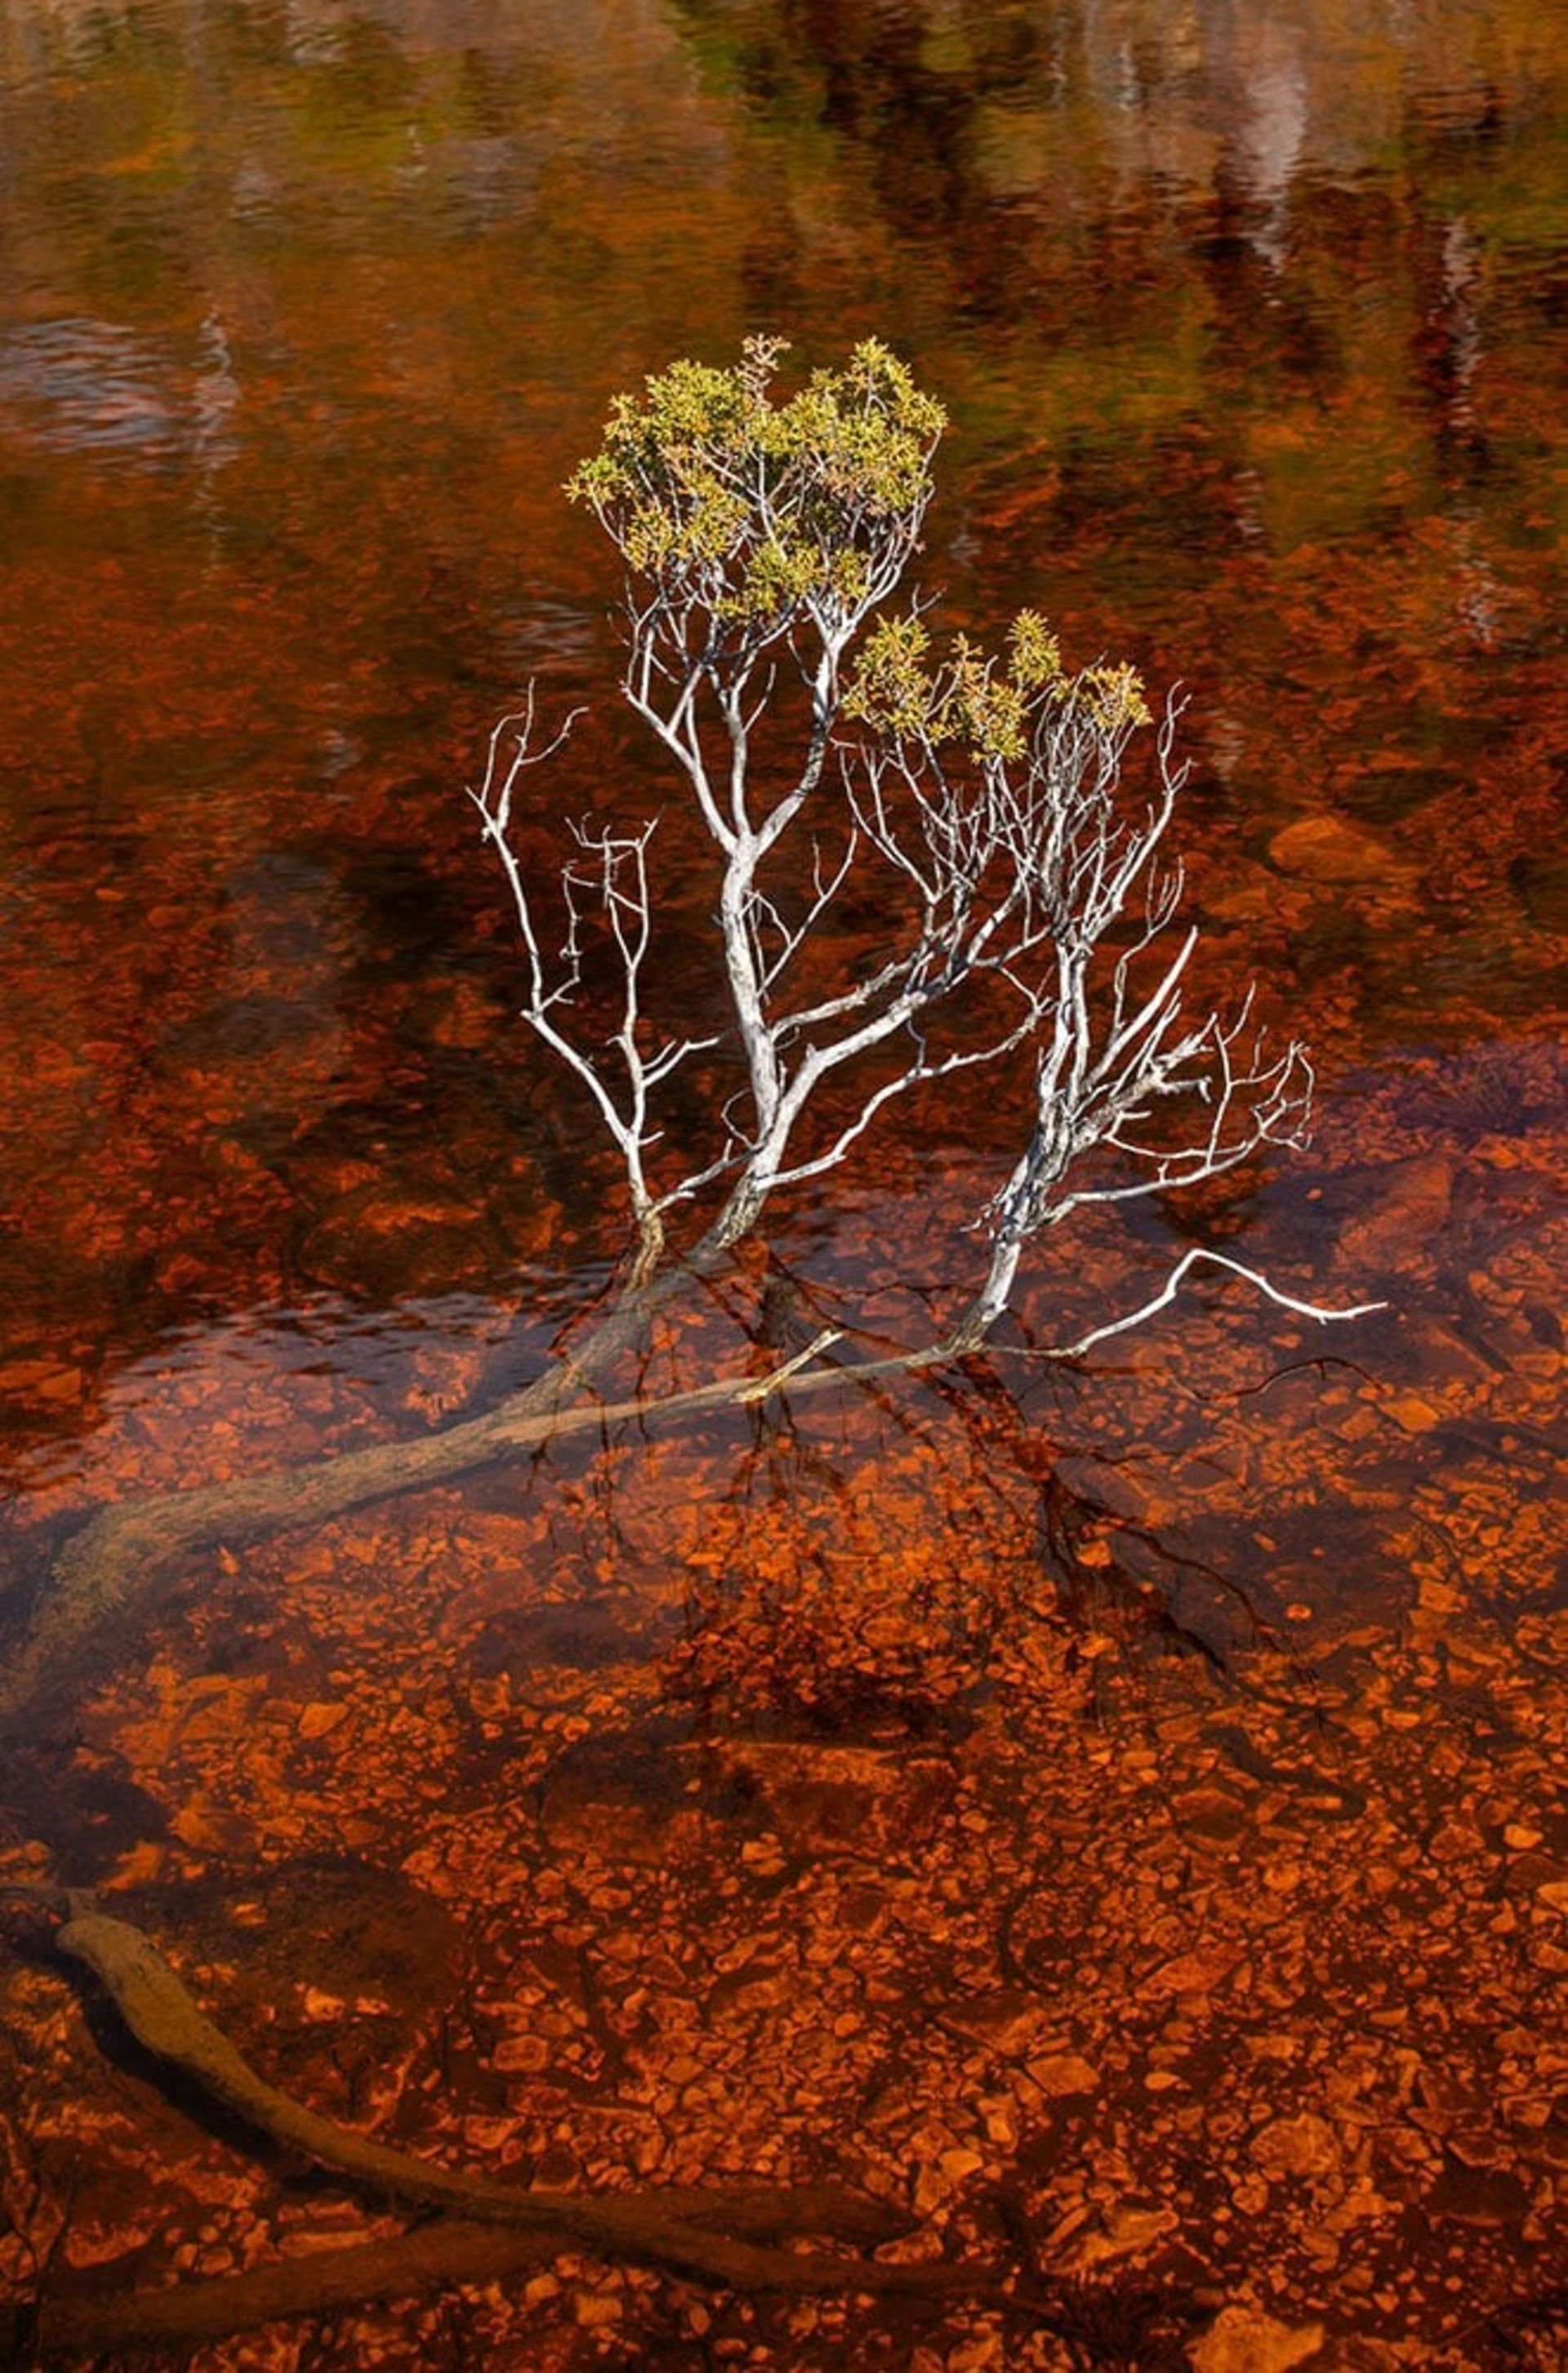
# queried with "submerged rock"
point(1322, 848)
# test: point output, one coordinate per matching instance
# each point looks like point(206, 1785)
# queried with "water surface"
point(1251, 325)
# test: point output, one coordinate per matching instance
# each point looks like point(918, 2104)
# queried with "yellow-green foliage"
point(757, 513)
point(757, 509)
point(985, 705)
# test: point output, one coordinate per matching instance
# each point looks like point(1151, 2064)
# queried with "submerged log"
point(116, 1557)
point(119, 1553)
point(165, 2019)
point(430, 2257)
point(728, 2237)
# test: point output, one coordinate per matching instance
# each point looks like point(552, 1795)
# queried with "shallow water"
point(1251, 327)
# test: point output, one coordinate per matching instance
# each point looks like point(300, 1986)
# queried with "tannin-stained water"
point(1106, 1810)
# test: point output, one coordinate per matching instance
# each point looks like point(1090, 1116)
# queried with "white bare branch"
point(1024, 887)
point(607, 881)
point(1172, 1286)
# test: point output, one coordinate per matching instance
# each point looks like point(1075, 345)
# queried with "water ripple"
point(83, 385)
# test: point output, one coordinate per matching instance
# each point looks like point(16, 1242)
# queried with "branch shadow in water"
point(1047, 1536)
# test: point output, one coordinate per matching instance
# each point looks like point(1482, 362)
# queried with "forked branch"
point(605, 881)
point(1026, 890)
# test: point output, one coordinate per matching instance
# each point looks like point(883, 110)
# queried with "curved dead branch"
point(727, 2237)
point(159, 2010)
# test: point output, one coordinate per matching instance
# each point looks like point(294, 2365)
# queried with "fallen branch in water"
point(116, 1556)
point(724, 2235)
point(430, 2257)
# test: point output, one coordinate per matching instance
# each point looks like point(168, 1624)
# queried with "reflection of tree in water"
point(869, 79)
point(964, 110)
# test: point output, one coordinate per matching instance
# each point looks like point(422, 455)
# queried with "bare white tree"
point(1023, 898)
point(1027, 883)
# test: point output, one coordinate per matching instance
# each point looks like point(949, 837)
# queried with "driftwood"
point(727, 2237)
